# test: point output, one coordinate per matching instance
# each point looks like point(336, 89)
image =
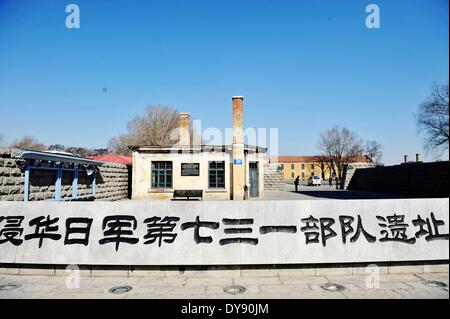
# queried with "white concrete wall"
point(272, 248)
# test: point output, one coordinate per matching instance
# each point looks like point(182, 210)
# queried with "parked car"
point(314, 181)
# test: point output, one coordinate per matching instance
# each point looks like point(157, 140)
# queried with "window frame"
point(157, 172)
point(216, 170)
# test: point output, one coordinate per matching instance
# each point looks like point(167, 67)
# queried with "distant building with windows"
point(220, 171)
point(307, 166)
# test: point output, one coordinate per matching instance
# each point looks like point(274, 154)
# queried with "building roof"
point(312, 159)
point(56, 157)
point(194, 148)
point(114, 158)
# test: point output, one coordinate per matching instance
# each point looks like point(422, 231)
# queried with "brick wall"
point(412, 180)
point(112, 181)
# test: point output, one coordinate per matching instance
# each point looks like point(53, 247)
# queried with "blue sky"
point(302, 66)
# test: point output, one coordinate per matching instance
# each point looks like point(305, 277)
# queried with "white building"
point(220, 171)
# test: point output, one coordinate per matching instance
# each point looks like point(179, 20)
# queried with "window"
point(303, 175)
point(303, 166)
point(292, 166)
point(282, 166)
point(312, 166)
point(292, 175)
point(216, 175)
point(162, 174)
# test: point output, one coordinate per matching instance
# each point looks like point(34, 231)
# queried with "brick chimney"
point(238, 149)
point(183, 124)
point(406, 158)
point(417, 157)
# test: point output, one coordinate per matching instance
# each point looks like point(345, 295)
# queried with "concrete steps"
point(273, 178)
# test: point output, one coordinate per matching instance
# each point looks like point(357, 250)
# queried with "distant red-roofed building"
point(114, 158)
point(306, 166)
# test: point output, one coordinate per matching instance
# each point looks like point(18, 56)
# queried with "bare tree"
point(373, 151)
point(28, 143)
point(155, 127)
point(432, 118)
point(342, 146)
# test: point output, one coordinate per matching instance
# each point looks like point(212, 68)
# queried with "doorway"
point(254, 179)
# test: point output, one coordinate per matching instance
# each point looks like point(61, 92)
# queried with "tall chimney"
point(238, 149)
point(183, 125)
point(406, 158)
point(417, 157)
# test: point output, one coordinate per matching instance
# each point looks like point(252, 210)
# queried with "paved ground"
point(272, 287)
point(320, 192)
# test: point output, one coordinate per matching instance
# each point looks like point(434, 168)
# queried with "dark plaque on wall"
point(190, 169)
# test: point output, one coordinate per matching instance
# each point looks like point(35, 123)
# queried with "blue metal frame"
point(59, 168)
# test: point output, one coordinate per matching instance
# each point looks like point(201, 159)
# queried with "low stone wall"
point(350, 170)
point(276, 232)
point(419, 180)
point(112, 181)
point(11, 176)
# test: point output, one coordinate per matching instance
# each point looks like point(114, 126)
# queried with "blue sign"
point(237, 161)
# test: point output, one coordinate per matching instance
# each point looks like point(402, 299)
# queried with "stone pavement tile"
point(9, 270)
point(37, 270)
point(81, 295)
point(188, 271)
point(297, 271)
point(385, 286)
point(115, 281)
point(346, 280)
point(334, 271)
point(219, 296)
point(209, 281)
point(256, 280)
point(35, 288)
point(260, 296)
point(11, 295)
point(362, 280)
point(10, 278)
point(142, 271)
point(165, 296)
point(147, 296)
point(259, 272)
point(185, 296)
point(355, 293)
point(164, 281)
point(370, 269)
point(406, 269)
point(318, 280)
point(444, 277)
point(439, 268)
point(223, 271)
point(315, 295)
point(83, 271)
point(180, 290)
point(436, 293)
point(249, 289)
point(399, 278)
point(284, 289)
point(91, 285)
point(110, 271)
point(419, 285)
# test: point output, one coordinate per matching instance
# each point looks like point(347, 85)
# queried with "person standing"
point(296, 182)
point(330, 182)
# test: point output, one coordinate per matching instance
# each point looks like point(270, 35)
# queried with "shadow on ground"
point(339, 194)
